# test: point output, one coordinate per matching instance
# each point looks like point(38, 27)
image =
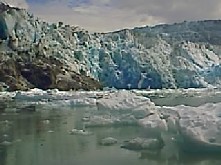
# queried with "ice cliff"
point(67, 57)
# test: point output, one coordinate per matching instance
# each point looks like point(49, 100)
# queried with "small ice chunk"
point(143, 144)
point(80, 132)
point(6, 143)
point(46, 121)
point(50, 131)
point(97, 121)
point(108, 141)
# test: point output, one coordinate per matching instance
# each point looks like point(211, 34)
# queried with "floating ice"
point(108, 141)
point(120, 108)
point(199, 128)
point(125, 101)
point(143, 144)
point(154, 122)
point(56, 97)
point(80, 132)
point(6, 143)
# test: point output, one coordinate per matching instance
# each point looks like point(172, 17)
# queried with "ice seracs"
point(147, 57)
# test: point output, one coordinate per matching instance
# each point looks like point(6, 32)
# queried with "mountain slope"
point(165, 56)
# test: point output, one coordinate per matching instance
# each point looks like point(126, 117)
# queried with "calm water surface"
point(39, 136)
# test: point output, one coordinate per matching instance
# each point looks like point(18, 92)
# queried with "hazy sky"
point(108, 15)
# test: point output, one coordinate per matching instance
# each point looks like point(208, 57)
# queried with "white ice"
point(200, 126)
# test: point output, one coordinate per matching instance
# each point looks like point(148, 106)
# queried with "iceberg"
point(193, 126)
point(154, 122)
point(120, 108)
point(125, 100)
point(200, 127)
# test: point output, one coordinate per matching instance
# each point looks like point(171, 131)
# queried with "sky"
point(110, 15)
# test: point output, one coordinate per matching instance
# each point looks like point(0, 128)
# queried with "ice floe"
point(198, 126)
point(194, 126)
point(120, 108)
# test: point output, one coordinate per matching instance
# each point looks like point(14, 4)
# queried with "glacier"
point(181, 55)
point(69, 58)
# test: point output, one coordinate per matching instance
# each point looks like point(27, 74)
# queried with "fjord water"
point(38, 135)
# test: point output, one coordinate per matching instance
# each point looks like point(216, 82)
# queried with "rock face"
point(165, 56)
point(43, 73)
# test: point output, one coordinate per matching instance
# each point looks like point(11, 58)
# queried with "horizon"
point(92, 15)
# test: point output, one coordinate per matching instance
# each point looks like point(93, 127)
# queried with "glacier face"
point(165, 56)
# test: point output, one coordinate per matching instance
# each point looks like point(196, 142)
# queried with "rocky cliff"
point(38, 54)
